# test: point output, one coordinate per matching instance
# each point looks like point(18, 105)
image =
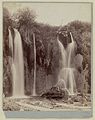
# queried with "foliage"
point(25, 17)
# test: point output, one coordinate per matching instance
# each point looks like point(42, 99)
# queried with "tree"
point(25, 17)
point(6, 17)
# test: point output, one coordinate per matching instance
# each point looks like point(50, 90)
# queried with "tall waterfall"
point(17, 64)
point(67, 72)
point(34, 84)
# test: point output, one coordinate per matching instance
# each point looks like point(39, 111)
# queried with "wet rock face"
point(64, 37)
point(7, 76)
point(56, 93)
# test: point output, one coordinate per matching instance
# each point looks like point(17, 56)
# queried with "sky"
point(55, 13)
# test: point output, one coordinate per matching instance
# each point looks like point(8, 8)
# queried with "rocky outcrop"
point(56, 93)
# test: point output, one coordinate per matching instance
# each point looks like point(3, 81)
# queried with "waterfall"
point(63, 53)
point(70, 50)
point(10, 42)
point(34, 84)
point(17, 64)
point(66, 74)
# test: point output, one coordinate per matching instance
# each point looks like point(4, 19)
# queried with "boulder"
point(77, 98)
point(78, 60)
point(56, 93)
point(61, 84)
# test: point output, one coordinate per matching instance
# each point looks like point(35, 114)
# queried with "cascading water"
point(11, 43)
point(63, 54)
point(70, 70)
point(17, 64)
point(34, 84)
point(66, 74)
point(70, 50)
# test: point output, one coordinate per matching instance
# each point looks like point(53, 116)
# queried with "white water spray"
point(17, 64)
point(67, 72)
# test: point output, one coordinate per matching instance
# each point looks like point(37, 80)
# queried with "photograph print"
point(47, 56)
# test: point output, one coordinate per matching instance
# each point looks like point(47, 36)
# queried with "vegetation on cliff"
point(25, 21)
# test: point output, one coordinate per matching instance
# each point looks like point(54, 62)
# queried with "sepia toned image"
point(47, 56)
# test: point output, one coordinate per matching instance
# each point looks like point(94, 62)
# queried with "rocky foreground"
point(44, 104)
